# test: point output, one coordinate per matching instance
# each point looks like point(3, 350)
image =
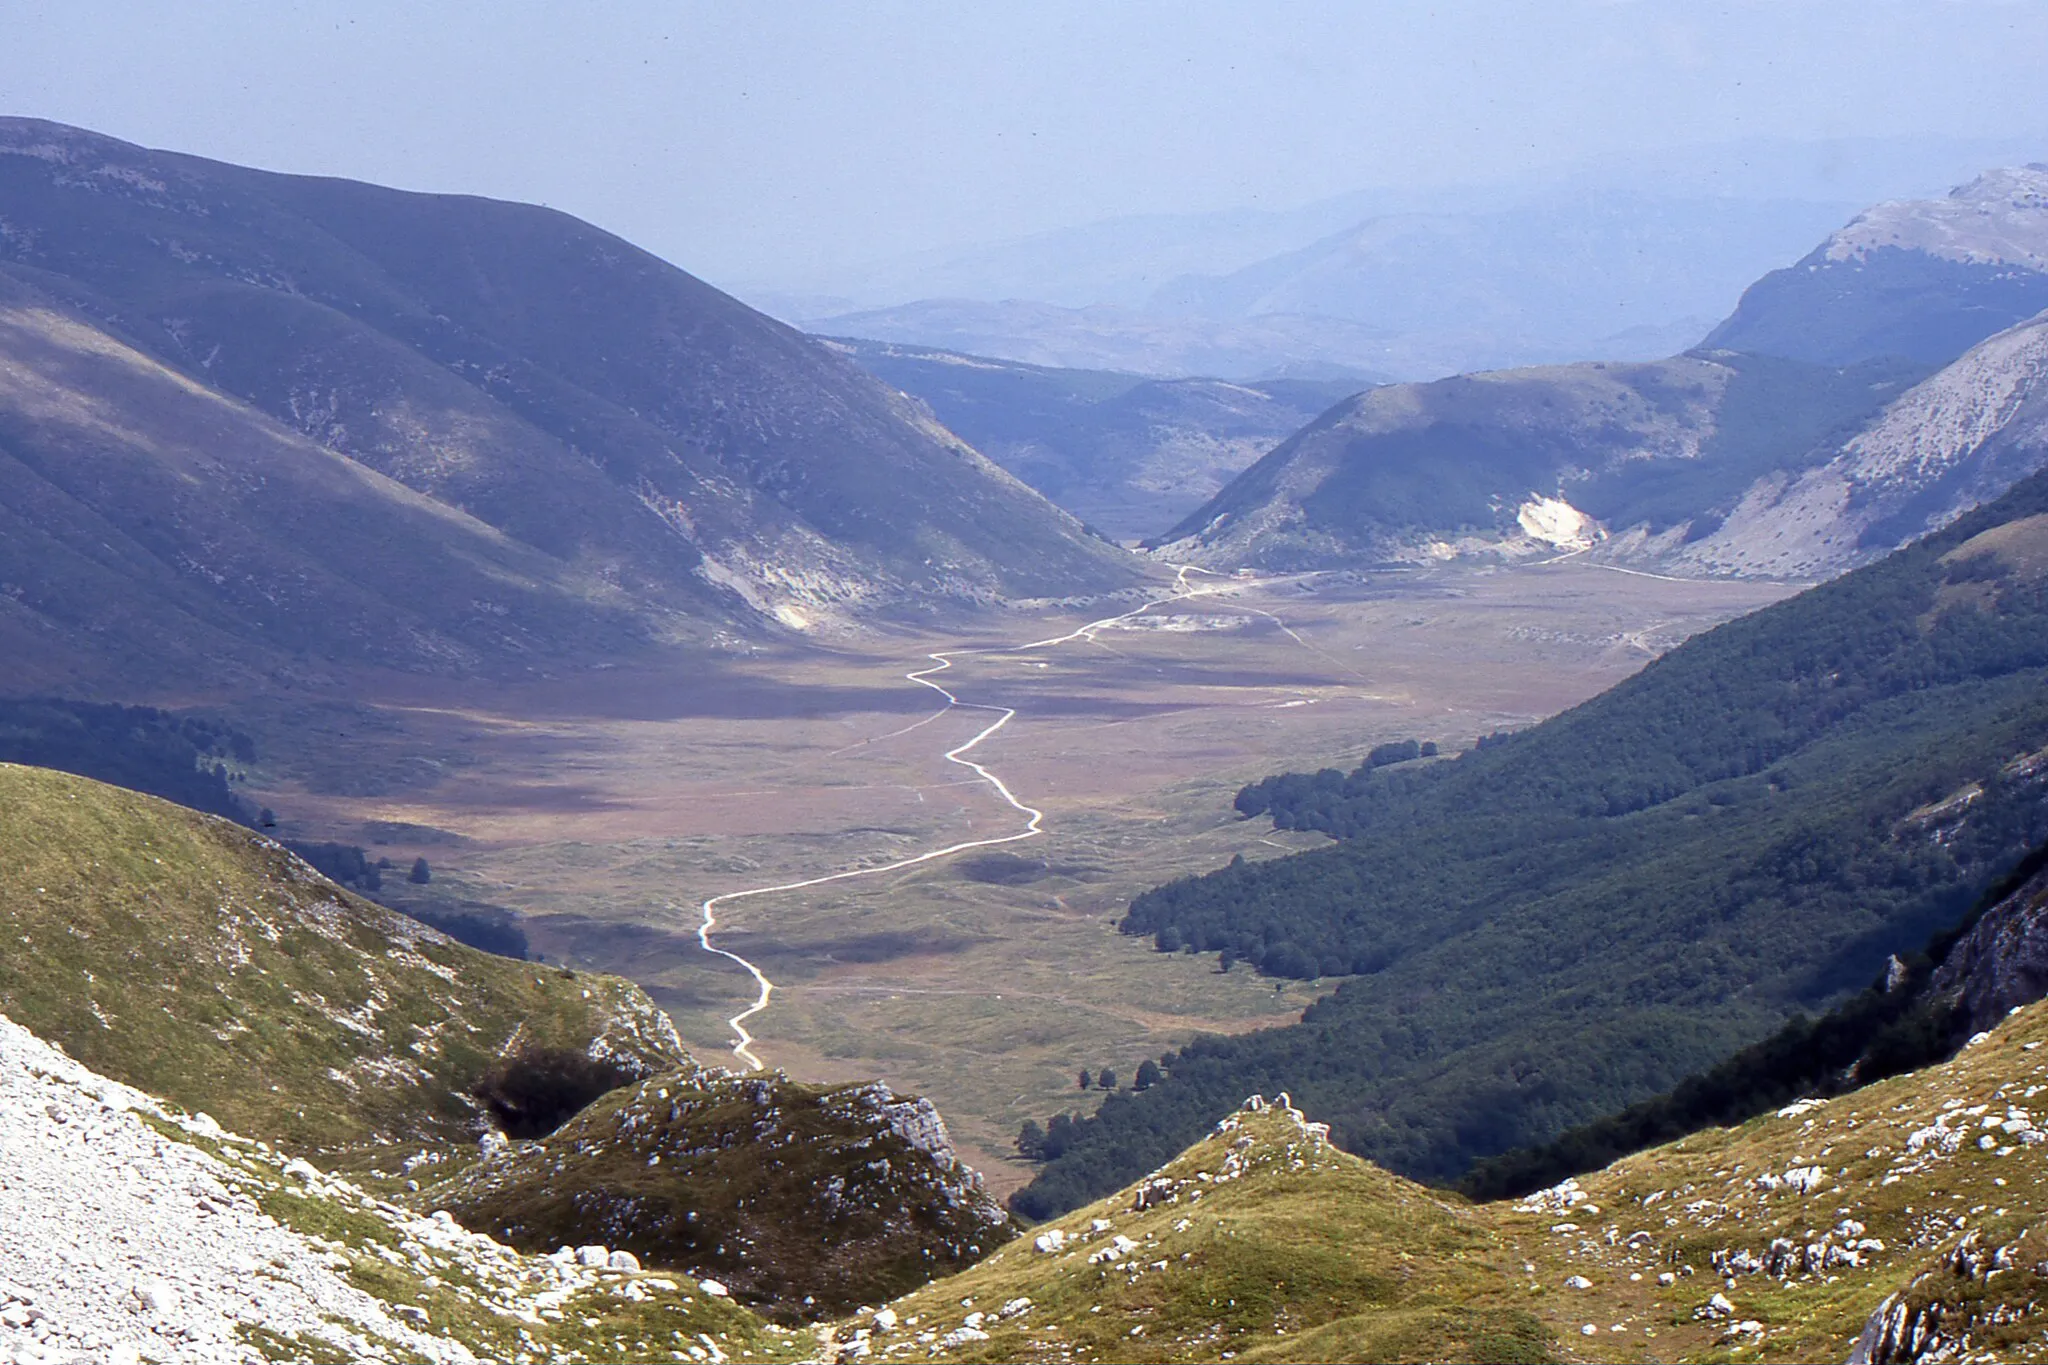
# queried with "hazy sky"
point(750, 141)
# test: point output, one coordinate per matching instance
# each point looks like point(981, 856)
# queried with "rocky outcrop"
point(2002, 963)
point(804, 1200)
point(1955, 440)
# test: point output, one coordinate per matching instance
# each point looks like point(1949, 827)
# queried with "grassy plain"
point(606, 806)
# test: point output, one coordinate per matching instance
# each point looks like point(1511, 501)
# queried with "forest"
point(180, 758)
point(1895, 1025)
point(1572, 918)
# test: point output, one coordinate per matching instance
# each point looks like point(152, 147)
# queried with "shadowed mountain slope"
point(1128, 455)
point(603, 425)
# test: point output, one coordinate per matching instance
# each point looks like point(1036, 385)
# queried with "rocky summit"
point(1921, 278)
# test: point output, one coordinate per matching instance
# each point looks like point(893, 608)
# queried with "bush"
point(535, 1091)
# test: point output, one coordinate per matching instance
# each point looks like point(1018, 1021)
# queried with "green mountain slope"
point(458, 392)
point(1923, 1009)
point(183, 954)
point(1557, 924)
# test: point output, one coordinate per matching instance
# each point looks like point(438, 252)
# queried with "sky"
point(768, 142)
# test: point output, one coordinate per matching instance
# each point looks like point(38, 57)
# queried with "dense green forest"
point(1893, 1026)
point(1575, 916)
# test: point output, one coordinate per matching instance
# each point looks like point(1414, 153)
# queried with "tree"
point(421, 874)
point(1107, 1080)
point(1084, 1080)
point(1031, 1141)
point(1148, 1075)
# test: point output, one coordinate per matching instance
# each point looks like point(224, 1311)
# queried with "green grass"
point(182, 954)
point(1313, 1255)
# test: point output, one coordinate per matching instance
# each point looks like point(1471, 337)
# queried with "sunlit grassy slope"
point(185, 955)
point(1925, 1196)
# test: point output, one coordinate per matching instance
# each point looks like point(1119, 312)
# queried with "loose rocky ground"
point(138, 1232)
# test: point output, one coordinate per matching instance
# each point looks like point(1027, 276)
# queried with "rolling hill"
point(1898, 1222)
point(256, 417)
point(1522, 463)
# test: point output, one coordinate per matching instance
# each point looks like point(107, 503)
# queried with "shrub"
point(533, 1092)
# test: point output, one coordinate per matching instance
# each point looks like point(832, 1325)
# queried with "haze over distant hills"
point(246, 417)
point(1924, 278)
point(1627, 258)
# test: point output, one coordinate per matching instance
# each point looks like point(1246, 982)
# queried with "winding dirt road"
point(1034, 819)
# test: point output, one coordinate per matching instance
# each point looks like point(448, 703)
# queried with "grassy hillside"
point(1917, 1203)
point(1260, 1242)
point(1553, 926)
point(185, 955)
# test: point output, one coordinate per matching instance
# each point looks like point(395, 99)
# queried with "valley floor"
point(607, 807)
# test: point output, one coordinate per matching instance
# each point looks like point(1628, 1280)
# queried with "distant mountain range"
point(247, 419)
point(1805, 452)
point(1404, 296)
point(1629, 258)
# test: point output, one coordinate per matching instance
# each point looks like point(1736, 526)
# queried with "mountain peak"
point(2000, 218)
